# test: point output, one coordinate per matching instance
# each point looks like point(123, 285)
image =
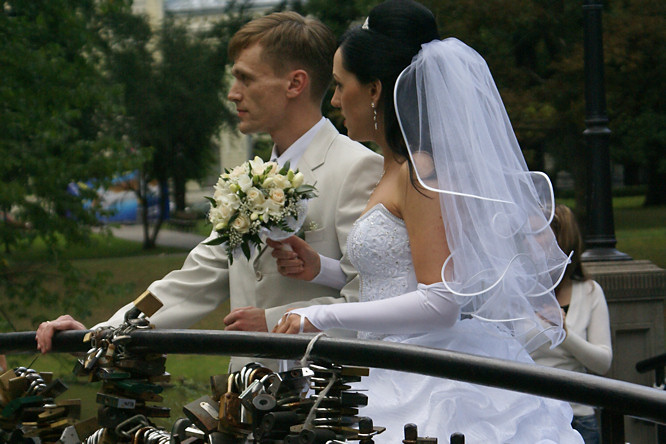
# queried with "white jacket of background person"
point(345, 173)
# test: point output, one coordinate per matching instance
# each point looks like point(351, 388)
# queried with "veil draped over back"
point(505, 261)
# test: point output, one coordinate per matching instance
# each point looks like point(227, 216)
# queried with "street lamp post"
point(600, 238)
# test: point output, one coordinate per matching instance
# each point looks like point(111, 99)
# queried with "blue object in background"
point(121, 201)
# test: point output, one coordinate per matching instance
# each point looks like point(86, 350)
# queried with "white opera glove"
point(427, 308)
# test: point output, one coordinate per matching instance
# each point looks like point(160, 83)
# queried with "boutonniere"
point(313, 226)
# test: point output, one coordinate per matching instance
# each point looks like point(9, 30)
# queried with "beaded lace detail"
point(378, 246)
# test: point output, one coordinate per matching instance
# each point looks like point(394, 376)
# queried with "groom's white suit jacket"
point(345, 173)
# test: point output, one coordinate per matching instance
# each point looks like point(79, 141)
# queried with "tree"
point(191, 88)
point(174, 85)
point(535, 51)
point(59, 142)
point(131, 66)
point(634, 38)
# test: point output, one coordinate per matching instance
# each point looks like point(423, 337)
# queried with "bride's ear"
point(375, 90)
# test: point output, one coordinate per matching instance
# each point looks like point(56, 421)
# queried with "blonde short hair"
point(291, 41)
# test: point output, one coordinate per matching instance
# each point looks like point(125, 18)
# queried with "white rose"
point(221, 191)
point(281, 181)
point(298, 179)
point(222, 183)
point(225, 213)
point(241, 224)
point(257, 166)
point(220, 216)
point(255, 197)
point(271, 208)
point(238, 171)
point(277, 196)
point(244, 183)
point(229, 200)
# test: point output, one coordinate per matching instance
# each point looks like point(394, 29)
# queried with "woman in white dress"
point(453, 250)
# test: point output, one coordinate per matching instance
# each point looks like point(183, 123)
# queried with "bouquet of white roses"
point(256, 198)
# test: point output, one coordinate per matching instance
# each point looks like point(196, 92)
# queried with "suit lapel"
point(316, 153)
point(256, 255)
point(313, 158)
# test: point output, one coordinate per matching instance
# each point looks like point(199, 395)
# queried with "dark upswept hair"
point(568, 236)
point(291, 41)
point(396, 29)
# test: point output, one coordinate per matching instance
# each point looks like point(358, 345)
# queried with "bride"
point(454, 249)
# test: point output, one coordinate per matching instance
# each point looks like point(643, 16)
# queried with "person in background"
point(587, 345)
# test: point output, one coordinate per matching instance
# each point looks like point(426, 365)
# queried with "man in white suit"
point(282, 69)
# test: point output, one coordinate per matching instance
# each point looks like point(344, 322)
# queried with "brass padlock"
point(230, 410)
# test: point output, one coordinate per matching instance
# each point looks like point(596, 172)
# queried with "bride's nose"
point(335, 100)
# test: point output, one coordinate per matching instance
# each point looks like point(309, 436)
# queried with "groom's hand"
point(246, 319)
point(298, 261)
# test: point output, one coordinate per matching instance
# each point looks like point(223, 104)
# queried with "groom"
point(282, 69)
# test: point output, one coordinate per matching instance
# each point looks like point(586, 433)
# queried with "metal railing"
point(618, 397)
point(658, 365)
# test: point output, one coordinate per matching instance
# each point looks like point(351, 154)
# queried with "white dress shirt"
point(295, 151)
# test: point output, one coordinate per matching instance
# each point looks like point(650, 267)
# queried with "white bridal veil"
point(505, 261)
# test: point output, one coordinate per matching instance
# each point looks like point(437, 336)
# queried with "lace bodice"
point(378, 246)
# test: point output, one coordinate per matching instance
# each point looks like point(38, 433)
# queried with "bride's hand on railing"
point(294, 323)
point(295, 258)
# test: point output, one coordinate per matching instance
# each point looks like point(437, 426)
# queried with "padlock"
point(116, 402)
point(230, 409)
point(457, 438)
point(219, 385)
point(293, 383)
point(316, 436)
point(203, 413)
point(276, 422)
point(411, 436)
point(254, 389)
point(148, 303)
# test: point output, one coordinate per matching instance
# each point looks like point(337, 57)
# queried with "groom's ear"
point(298, 83)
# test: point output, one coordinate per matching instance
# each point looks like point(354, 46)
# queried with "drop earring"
point(374, 114)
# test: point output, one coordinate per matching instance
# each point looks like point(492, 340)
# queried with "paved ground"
point(194, 196)
point(165, 238)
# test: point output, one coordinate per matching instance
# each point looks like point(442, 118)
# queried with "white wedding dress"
point(378, 246)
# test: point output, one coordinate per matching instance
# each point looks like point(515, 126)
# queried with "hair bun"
point(405, 21)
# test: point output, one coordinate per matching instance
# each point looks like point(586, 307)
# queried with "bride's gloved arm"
point(427, 308)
